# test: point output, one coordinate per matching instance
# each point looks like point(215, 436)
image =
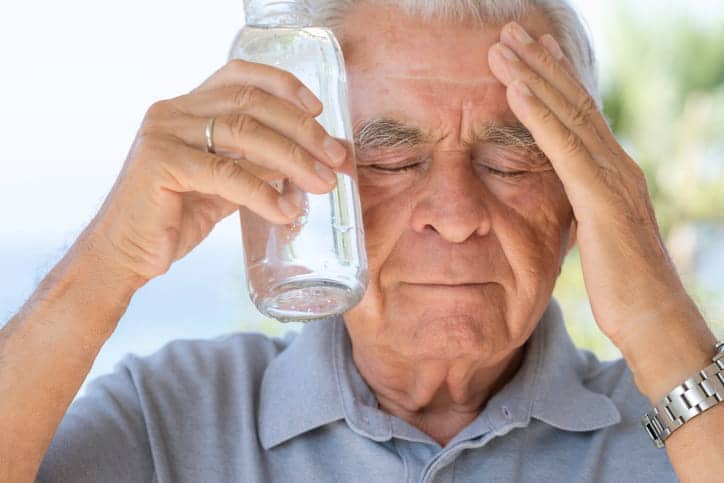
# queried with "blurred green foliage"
point(663, 93)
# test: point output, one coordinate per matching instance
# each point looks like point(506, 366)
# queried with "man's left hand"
point(635, 293)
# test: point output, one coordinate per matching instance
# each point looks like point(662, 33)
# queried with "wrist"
point(664, 354)
point(87, 291)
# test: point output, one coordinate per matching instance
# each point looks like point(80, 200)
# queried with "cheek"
point(385, 213)
point(532, 228)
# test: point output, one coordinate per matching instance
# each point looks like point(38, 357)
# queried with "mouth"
point(446, 285)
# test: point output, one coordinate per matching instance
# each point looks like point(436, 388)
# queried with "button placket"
point(449, 456)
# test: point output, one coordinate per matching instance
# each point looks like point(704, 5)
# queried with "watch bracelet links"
point(695, 395)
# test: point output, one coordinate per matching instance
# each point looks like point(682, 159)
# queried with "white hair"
point(568, 27)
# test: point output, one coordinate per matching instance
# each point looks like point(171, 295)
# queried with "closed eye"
point(407, 167)
point(504, 174)
point(394, 169)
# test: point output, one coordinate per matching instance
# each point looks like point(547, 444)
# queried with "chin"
point(450, 328)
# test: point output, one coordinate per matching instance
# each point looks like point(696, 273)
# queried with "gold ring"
point(210, 136)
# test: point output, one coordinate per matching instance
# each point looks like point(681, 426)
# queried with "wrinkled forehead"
point(401, 63)
point(409, 52)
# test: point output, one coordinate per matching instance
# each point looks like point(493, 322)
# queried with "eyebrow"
point(515, 135)
point(390, 133)
point(387, 133)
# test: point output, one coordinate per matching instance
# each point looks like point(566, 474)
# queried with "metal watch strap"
point(687, 400)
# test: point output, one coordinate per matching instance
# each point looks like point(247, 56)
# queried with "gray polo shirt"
point(251, 408)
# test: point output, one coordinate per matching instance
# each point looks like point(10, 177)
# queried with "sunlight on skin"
point(428, 336)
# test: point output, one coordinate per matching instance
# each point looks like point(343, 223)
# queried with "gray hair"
point(569, 28)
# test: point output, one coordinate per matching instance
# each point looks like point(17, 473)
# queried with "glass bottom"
point(307, 300)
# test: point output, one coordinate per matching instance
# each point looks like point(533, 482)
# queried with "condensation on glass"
point(315, 267)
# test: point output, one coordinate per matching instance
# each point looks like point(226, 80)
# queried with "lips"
point(447, 284)
point(444, 279)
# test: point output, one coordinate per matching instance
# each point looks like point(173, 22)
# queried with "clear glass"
point(317, 266)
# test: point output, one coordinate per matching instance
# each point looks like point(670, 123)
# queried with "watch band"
point(695, 395)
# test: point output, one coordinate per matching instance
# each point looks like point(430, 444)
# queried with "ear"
point(572, 235)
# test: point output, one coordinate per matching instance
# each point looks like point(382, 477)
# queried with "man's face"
point(462, 258)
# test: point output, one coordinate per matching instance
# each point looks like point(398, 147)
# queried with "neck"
point(439, 397)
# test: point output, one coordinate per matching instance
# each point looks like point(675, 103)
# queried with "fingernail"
point(325, 173)
point(335, 150)
point(309, 100)
point(288, 208)
point(519, 33)
point(507, 53)
point(552, 46)
point(522, 88)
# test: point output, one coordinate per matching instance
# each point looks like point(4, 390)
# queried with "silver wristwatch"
point(700, 392)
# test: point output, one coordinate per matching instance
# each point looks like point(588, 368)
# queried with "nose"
point(454, 202)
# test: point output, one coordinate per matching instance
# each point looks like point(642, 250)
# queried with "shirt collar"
point(314, 382)
point(551, 385)
point(299, 389)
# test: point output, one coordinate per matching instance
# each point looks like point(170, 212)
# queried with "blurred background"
point(78, 77)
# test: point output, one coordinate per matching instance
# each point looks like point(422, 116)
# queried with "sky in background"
point(77, 78)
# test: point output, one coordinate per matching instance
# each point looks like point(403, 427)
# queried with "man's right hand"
point(171, 191)
point(168, 197)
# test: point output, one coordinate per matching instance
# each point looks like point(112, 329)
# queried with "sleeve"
point(102, 437)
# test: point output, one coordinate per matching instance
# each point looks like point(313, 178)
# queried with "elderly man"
point(482, 159)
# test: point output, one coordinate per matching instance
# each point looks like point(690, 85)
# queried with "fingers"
point(577, 115)
point(281, 115)
point(544, 69)
point(599, 121)
point(546, 58)
point(265, 132)
point(544, 93)
point(187, 170)
point(566, 151)
point(272, 79)
point(242, 136)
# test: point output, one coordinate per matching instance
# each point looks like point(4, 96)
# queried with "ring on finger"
point(210, 135)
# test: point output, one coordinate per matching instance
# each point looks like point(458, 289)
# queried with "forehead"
point(408, 68)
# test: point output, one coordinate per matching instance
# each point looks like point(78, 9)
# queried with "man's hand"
point(635, 292)
point(629, 277)
point(167, 198)
point(172, 192)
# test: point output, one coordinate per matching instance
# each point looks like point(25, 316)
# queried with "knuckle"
point(583, 112)
point(238, 65)
point(216, 167)
point(255, 192)
point(155, 117)
point(245, 96)
point(535, 82)
point(296, 153)
point(602, 176)
point(242, 125)
point(546, 115)
point(157, 109)
point(158, 116)
point(289, 80)
point(307, 126)
point(547, 60)
point(222, 169)
point(573, 144)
